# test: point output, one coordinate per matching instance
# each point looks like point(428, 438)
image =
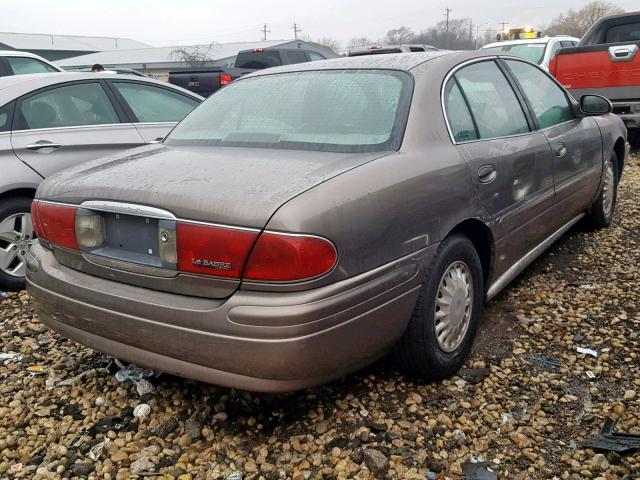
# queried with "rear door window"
point(460, 121)
point(152, 104)
point(24, 65)
point(492, 101)
point(68, 106)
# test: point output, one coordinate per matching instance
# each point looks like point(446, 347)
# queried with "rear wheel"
point(441, 331)
point(602, 210)
point(16, 231)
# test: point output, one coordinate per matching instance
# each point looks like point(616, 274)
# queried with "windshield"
point(534, 52)
point(336, 111)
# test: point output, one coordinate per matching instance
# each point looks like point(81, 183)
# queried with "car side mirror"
point(595, 105)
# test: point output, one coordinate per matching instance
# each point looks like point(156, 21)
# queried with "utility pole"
point(296, 29)
point(448, 10)
point(470, 30)
point(264, 31)
point(504, 24)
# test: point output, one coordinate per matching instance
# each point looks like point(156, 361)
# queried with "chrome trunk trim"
point(128, 209)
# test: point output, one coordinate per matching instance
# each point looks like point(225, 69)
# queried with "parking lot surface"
point(524, 404)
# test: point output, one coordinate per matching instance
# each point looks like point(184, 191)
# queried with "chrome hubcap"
point(16, 232)
point(454, 305)
point(608, 188)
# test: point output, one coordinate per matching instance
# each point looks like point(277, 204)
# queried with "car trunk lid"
point(239, 188)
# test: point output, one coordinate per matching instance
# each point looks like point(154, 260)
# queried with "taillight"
point(35, 219)
point(56, 224)
point(225, 79)
point(213, 250)
point(279, 257)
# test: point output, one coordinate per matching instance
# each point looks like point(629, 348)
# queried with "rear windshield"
point(629, 32)
point(534, 52)
point(262, 59)
point(336, 111)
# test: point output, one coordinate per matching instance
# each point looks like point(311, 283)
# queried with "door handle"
point(157, 140)
point(42, 145)
point(487, 174)
point(560, 149)
point(622, 53)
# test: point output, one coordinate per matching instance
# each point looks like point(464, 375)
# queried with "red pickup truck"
point(606, 62)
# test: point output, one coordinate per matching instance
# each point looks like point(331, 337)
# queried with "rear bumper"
point(262, 341)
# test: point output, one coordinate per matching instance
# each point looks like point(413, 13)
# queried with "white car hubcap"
point(608, 188)
point(454, 305)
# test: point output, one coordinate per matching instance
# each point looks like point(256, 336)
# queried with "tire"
point(419, 353)
point(601, 212)
point(16, 210)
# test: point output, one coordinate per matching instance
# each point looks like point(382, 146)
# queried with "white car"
point(13, 62)
point(536, 50)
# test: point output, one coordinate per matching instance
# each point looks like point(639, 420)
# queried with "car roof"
point(18, 53)
point(529, 40)
point(14, 86)
point(391, 61)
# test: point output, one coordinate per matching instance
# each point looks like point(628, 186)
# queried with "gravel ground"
point(527, 417)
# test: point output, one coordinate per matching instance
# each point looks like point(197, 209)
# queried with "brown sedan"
point(308, 219)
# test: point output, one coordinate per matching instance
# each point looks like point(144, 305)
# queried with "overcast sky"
point(183, 22)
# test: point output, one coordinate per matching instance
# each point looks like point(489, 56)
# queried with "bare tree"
point(194, 56)
point(399, 35)
point(577, 22)
point(330, 43)
point(458, 33)
point(359, 42)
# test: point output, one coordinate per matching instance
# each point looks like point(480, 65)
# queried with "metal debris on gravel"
point(525, 403)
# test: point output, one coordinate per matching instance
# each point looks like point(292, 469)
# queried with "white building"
point(157, 62)
point(56, 47)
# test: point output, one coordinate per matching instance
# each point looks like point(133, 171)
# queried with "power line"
point(296, 29)
point(264, 31)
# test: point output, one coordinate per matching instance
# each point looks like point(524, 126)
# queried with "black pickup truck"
point(206, 81)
